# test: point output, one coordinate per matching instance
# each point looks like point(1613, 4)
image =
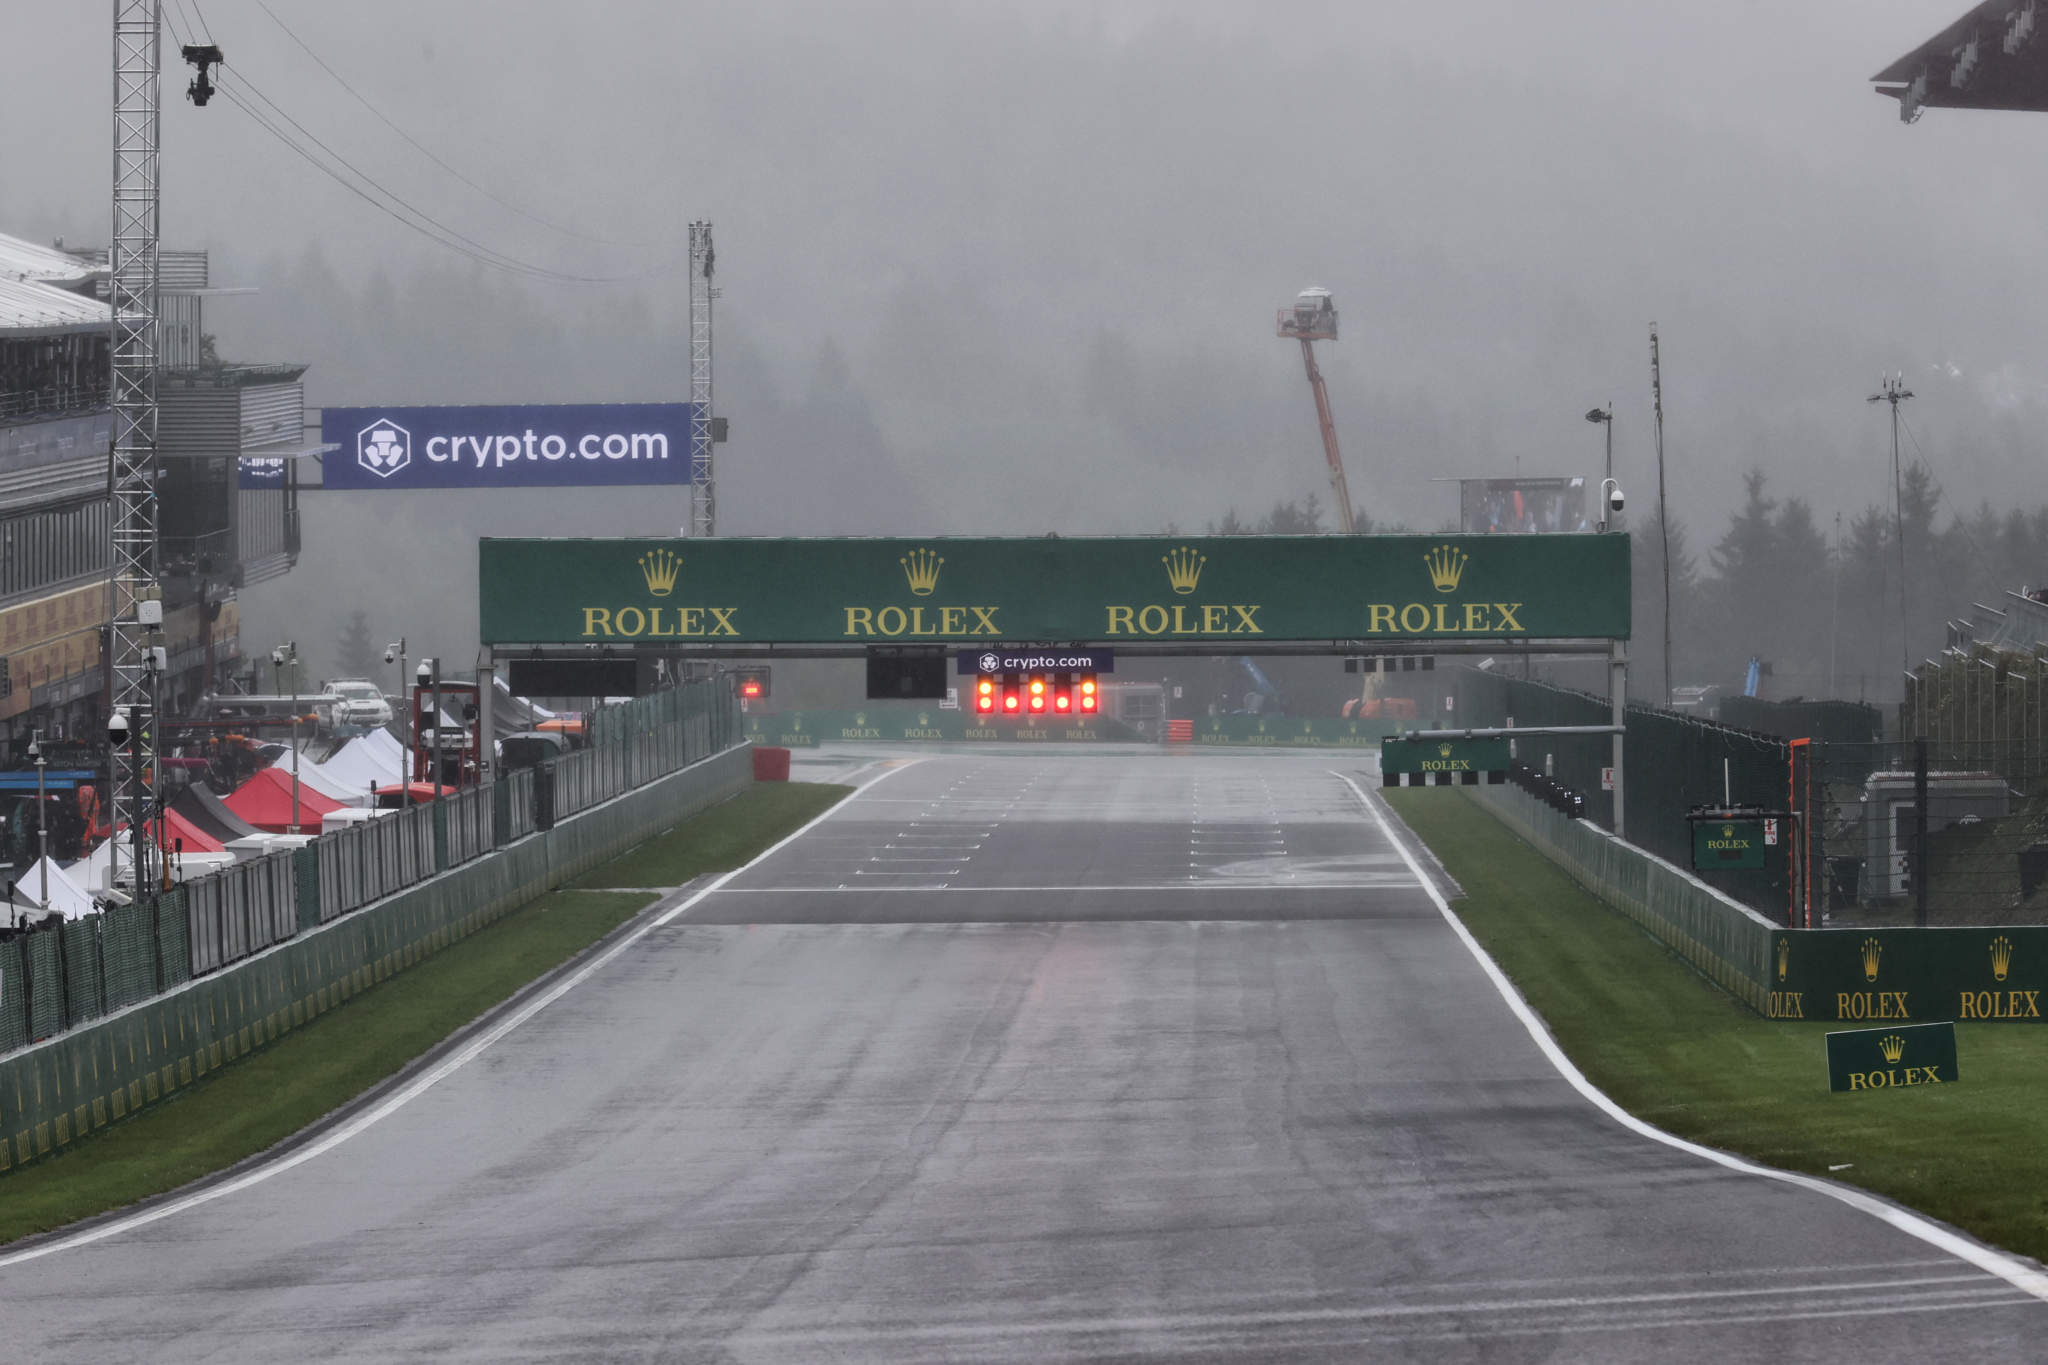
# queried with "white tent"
point(375, 757)
point(66, 896)
point(322, 778)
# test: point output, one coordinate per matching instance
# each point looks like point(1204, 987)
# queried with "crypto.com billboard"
point(507, 447)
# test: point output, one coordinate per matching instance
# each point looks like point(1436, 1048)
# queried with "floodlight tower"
point(703, 491)
point(1314, 318)
point(134, 601)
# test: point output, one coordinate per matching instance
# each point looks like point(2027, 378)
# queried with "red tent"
point(196, 840)
point(265, 801)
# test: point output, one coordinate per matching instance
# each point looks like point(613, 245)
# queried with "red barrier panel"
point(771, 765)
point(1180, 732)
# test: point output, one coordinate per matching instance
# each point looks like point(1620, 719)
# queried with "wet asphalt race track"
point(1023, 1057)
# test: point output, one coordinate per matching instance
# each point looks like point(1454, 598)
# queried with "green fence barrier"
point(1290, 731)
point(128, 954)
point(13, 996)
point(83, 1079)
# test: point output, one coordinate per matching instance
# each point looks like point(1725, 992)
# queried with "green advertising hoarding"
point(1444, 755)
point(1722, 844)
point(1990, 974)
point(1892, 1058)
point(1215, 591)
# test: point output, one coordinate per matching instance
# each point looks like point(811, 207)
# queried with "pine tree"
point(354, 653)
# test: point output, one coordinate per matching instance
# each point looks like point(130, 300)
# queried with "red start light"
point(1088, 701)
point(1037, 701)
point(1037, 686)
point(1010, 701)
point(750, 689)
point(1062, 702)
point(1087, 687)
point(984, 702)
point(986, 686)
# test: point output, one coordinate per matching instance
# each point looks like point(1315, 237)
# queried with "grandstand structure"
point(230, 440)
point(1993, 57)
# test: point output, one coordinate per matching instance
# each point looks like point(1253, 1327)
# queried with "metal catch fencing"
point(1944, 831)
point(65, 973)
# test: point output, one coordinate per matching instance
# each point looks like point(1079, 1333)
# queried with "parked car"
point(361, 703)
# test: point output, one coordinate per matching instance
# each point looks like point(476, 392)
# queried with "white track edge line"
point(2008, 1268)
point(428, 1079)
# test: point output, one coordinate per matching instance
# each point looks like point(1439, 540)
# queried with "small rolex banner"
point(1886, 1058)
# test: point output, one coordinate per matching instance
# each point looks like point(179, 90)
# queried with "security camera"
point(277, 657)
point(1612, 491)
point(390, 656)
point(117, 729)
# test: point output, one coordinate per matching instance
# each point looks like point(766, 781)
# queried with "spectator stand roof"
point(36, 291)
point(1994, 57)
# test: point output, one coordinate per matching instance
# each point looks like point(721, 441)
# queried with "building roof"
point(25, 260)
point(29, 308)
point(1994, 57)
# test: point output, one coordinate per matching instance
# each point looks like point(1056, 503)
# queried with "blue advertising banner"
point(971, 662)
point(507, 447)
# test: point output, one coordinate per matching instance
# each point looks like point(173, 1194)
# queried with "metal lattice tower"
point(703, 490)
point(132, 278)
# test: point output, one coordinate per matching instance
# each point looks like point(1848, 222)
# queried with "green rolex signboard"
point(1736, 842)
point(1215, 590)
point(1399, 755)
point(1892, 1058)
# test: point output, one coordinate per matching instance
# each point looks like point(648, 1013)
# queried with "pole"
point(42, 820)
point(437, 729)
point(486, 716)
point(295, 738)
point(1617, 705)
point(1663, 516)
point(1920, 868)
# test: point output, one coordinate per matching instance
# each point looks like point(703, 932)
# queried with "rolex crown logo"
point(659, 568)
point(921, 567)
point(1727, 831)
point(2001, 957)
point(1443, 751)
point(1893, 1047)
point(1183, 568)
point(1446, 567)
point(1784, 956)
point(1872, 950)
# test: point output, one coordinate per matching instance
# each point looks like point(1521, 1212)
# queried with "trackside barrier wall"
point(83, 1079)
point(1724, 939)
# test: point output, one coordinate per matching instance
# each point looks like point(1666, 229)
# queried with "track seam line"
point(429, 1079)
point(2006, 1267)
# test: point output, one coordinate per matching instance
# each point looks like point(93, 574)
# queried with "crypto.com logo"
point(383, 448)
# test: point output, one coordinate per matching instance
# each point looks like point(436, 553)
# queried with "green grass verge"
point(1676, 1050)
point(723, 837)
point(240, 1110)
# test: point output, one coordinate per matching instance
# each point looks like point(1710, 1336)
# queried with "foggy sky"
point(1013, 268)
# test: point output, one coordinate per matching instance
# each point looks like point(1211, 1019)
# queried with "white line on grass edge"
point(2007, 1268)
point(426, 1080)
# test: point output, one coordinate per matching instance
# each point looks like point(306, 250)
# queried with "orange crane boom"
point(1314, 318)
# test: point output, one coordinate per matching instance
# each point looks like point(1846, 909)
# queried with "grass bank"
point(241, 1110)
point(1679, 1052)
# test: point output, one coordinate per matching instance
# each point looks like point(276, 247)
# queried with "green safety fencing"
point(1334, 732)
point(897, 723)
point(92, 1075)
point(57, 979)
point(1727, 941)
